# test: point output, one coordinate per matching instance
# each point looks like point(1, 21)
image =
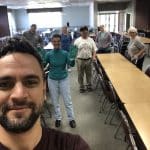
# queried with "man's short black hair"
point(56, 36)
point(19, 45)
point(84, 28)
point(33, 25)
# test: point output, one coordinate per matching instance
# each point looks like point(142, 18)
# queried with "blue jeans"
point(57, 88)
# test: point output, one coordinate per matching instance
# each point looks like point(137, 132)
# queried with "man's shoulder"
point(90, 40)
point(26, 32)
point(50, 52)
point(78, 39)
point(54, 132)
point(66, 140)
point(60, 136)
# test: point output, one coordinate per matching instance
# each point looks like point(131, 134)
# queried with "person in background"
point(33, 37)
point(136, 49)
point(58, 80)
point(103, 40)
point(22, 93)
point(76, 34)
point(68, 24)
point(85, 55)
point(66, 41)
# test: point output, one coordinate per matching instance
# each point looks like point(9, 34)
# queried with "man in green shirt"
point(58, 81)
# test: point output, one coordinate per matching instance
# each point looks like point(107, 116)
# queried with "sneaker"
point(89, 89)
point(57, 123)
point(82, 90)
point(72, 124)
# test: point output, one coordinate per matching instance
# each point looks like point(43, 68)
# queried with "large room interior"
point(99, 119)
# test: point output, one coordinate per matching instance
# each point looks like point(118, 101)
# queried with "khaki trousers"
point(84, 66)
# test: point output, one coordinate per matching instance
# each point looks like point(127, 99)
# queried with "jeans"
point(57, 88)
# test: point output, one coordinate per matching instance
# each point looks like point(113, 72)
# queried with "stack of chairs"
point(116, 107)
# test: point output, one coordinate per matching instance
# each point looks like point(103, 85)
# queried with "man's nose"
point(19, 91)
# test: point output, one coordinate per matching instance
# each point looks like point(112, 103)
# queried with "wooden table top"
point(133, 88)
point(145, 40)
point(113, 60)
point(140, 116)
point(131, 84)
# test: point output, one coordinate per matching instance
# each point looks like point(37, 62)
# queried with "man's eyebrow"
point(6, 78)
point(25, 77)
point(32, 77)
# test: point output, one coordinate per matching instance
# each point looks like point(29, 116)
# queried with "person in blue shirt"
point(66, 41)
point(58, 81)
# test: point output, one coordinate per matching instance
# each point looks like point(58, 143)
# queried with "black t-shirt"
point(56, 140)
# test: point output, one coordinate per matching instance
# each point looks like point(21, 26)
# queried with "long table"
point(140, 116)
point(146, 40)
point(133, 88)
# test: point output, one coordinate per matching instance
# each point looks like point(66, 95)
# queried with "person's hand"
point(94, 59)
point(135, 57)
point(72, 62)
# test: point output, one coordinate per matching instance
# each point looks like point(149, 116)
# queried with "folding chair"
point(115, 106)
point(147, 71)
point(129, 132)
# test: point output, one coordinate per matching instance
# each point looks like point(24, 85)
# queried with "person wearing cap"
point(136, 49)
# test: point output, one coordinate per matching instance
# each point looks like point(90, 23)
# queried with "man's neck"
point(85, 37)
point(23, 141)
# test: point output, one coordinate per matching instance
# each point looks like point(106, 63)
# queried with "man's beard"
point(22, 126)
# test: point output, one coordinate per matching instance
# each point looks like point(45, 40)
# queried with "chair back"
point(147, 71)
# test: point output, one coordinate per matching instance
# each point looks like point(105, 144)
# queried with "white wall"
point(12, 23)
point(76, 15)
point(22, 20)
point(131, 10)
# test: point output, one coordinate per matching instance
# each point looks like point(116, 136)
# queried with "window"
point(46, 19)
point(109, 20)
point(12, 24)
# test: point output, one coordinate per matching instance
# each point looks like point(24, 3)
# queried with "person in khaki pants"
point(86, 54)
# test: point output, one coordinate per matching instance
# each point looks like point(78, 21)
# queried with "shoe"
point(89, 89)
point(82, 90)
point(57, 123)
point(72, 124)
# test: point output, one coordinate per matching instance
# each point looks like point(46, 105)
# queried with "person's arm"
point(137, 55)
point(94, 56)
point(109, 39)
point(96, 40)
point(141, 48)
point(47, 61)
point(94, 50)
point(25, 37)
point(70, 61)
point(40, 41)
point(70, 38)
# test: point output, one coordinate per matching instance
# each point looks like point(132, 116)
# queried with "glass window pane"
point(46, 19)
